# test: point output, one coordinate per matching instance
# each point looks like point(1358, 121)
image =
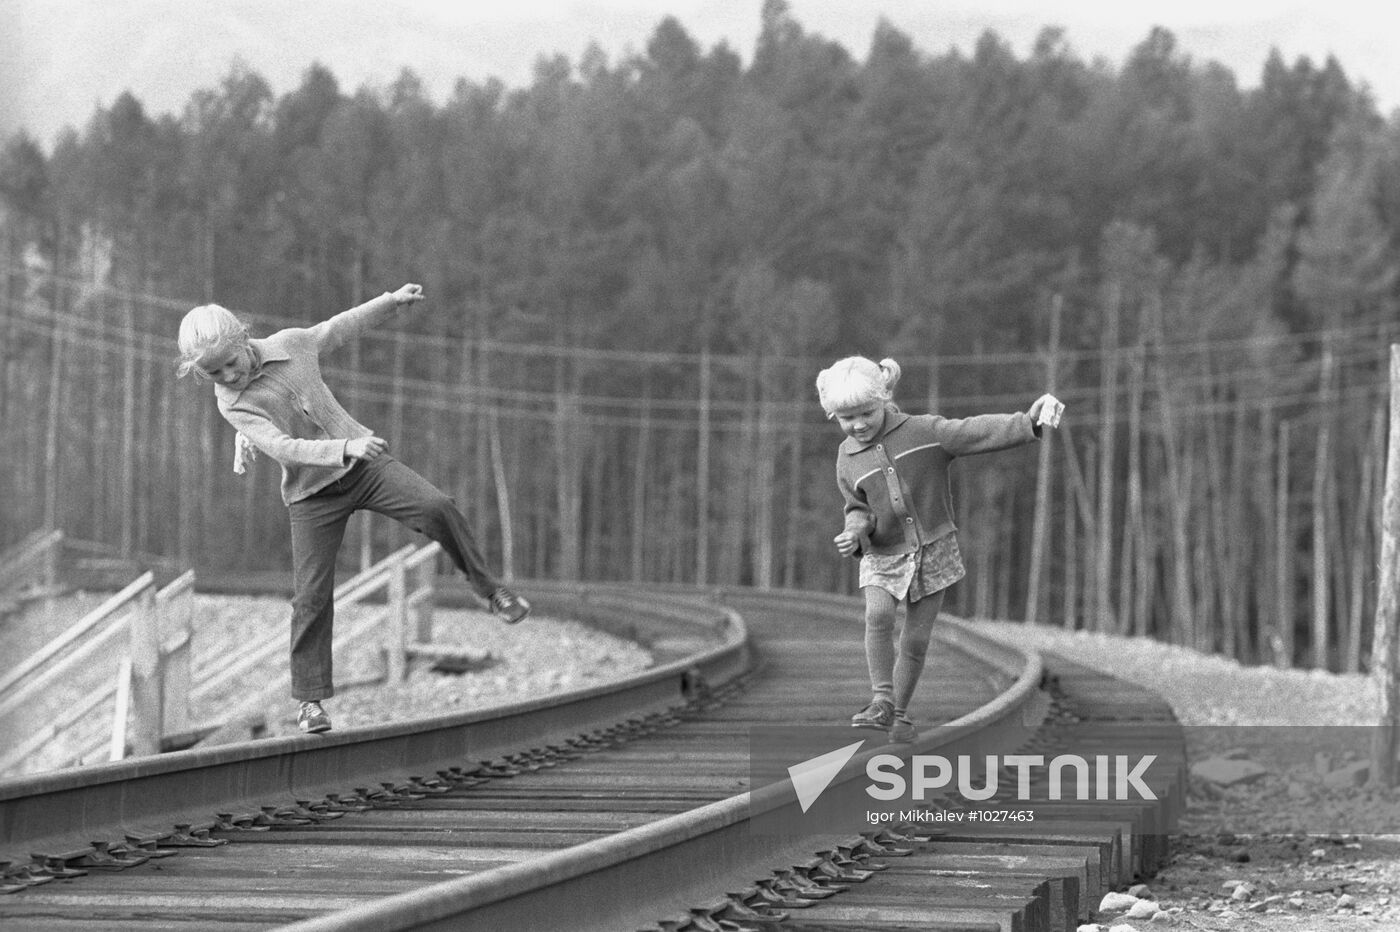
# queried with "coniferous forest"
point(635, 270)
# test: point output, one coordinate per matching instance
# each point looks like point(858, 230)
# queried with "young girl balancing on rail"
point(271, 391)
point(892, 470)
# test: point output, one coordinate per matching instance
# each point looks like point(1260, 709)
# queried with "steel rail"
point(66, 810)
point(629, 879)
point(700, 863)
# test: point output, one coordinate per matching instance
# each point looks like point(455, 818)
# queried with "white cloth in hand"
point(243, 453)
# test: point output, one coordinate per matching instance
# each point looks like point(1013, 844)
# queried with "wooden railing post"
point(144, 650)
point(175, 607)
point(423, 599)
point(395, 658)
point(121, 709)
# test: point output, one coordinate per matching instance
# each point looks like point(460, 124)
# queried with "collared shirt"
point(895, 486)
point(288, 411)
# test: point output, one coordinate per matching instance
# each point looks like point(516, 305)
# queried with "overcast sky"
point(61, 58)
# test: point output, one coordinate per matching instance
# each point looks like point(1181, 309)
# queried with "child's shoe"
point(879, 714)
point(312, 719)
point(902, 730)
point(511, 607)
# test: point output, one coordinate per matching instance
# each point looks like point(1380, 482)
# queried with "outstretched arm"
point(986, 433)
point(349, 324)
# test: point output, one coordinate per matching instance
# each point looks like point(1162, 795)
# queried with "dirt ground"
point(1313, 853)
point(1250, 857)
point(1345, 882)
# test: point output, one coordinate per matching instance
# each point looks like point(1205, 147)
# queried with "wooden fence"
point(157, 682)
point(149, 630)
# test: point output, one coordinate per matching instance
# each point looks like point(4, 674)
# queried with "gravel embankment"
point(1206, 690)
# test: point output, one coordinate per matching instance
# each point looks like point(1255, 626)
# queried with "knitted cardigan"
point(289, 413)
point(896, 489)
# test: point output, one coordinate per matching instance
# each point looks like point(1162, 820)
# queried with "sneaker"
point(902, 730)
point(879, 714)
point(511, 607)
point(312, 719)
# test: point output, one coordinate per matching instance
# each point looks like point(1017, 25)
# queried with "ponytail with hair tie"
point(891, 371)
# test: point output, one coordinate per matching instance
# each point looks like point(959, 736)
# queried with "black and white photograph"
point(699, 466)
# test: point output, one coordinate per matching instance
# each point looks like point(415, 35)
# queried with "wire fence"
point(1185, 467)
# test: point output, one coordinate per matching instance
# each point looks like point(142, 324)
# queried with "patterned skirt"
point(932, 568)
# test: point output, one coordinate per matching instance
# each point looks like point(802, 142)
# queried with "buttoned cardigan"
point(288, 411)
point(896, 489)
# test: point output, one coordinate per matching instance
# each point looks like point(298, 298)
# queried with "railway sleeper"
point(107, 856)
point(935, 881)
point(999, 877)
point(1042, 883)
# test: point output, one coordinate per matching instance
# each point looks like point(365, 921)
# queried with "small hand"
point(243, 453)
point(1046, 410)
point(365, 448)
point(408, 294)
point(846, 543)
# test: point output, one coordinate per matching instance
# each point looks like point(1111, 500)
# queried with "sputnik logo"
point(811, 777)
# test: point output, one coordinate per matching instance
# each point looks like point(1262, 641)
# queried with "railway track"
point(630, 807)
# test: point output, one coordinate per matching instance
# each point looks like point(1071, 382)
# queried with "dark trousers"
point(386, 486)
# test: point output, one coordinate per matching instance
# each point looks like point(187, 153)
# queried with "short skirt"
point(930, 569)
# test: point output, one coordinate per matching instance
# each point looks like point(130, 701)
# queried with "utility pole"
point(1383, 645)
point(1040, 527)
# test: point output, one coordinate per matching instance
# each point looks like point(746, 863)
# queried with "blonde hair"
point(855, 381)
point(204, 331)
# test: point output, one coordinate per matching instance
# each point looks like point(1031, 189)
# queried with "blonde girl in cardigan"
point(892, 471)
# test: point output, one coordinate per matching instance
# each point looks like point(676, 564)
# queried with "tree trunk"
point(1321, 589)
point(1082, 501)
point(1006, 528)
point(1362, 542)
point(1108, 394)
point(980, 519)
point(792, 524)
point(1218, 579)
point(126, 500)
point(1040, 523)
point(1266, 585)
point(52, 471)
point(640, 467)
point(1069, 576)
point(764, 482)
point(567, 490)
point(1385, 669)
point(1236, 617)
point(1177, 491)
point(1283, 553)
point(702, 476)
point(499, 478)
point(1132, 569)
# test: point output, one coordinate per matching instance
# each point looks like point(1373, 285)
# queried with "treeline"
point(636, 269)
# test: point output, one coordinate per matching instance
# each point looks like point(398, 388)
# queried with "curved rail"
point(730, 660)
point(694, 856)
point(65, 810)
